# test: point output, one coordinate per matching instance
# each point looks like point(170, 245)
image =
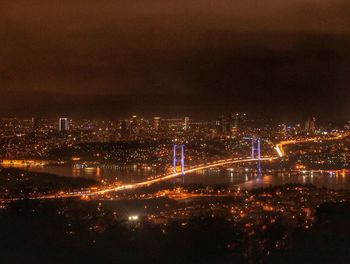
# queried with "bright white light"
point(277, 148)
point(133, 218)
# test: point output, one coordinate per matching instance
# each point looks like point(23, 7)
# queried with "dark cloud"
point(112, 58)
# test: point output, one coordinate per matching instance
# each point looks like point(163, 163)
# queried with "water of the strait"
point(223, 176)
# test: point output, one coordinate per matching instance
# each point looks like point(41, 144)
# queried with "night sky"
point(106, 59)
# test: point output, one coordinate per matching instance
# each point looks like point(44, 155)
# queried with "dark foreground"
point(73, 231)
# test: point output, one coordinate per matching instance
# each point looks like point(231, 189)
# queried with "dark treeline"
point(71, 231)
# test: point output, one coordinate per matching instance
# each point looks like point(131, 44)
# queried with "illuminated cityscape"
point(174, 132)
point(177, 174)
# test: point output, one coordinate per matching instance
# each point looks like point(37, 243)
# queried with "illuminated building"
point(156, 123)
point(237, 119)
point(133, 124)
point(310, 125)
point(187, 123)
point(221, 125)
point(63, 124)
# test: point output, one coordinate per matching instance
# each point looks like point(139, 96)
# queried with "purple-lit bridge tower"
point(179, 158)
point(256, 142)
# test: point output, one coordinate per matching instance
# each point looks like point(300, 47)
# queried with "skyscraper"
point(313, 125)
point(156, 123)
point(310, 125)
point(124, 128)
point(221, 124)
point(35, 124)
point(238, 119)
point(63, 124)
point(187, 123)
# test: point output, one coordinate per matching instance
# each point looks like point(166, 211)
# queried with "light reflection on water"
point(246, 180)
point(332, 180)
point(125, 174)
point(320, 179)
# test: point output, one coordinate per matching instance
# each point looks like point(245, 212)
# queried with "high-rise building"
point(187, 123)
point(221, 125)
point(134, 125)
point(229, 124)
point(238, 119)
point(35, 124)
point(63, 124)
point(124, 128)
point(135, 120)
point(307, 125)
point(313, 125)
point(156, 123)
point(310, 125)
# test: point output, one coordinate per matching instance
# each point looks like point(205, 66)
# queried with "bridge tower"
point(256, 143)
point(179, 150)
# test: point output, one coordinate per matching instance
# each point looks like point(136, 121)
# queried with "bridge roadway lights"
point(181, 160)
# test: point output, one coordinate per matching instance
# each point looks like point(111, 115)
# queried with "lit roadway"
point(154, 180)
point(166, 177)
point(280, 150)
point(175, 175)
